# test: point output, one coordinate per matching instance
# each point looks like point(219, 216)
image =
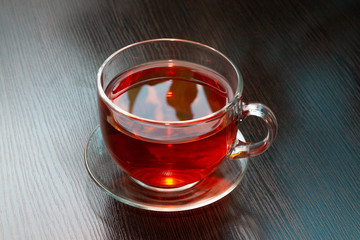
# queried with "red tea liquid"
point(168, 91)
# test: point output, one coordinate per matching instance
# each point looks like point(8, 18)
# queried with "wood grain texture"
point(301, 58)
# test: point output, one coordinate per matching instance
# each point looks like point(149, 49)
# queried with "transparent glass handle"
point(248, 149)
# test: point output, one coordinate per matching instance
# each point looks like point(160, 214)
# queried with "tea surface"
point(170, 91)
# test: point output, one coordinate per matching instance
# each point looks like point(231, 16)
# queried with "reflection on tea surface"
point(169, 92)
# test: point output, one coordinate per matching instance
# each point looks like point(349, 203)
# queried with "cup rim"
point(213, 115)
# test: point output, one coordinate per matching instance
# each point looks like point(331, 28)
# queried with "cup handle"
point(248, 149)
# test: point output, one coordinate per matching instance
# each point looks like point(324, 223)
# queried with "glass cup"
point(177, 152)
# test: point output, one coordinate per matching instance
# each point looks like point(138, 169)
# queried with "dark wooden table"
point(301, 58)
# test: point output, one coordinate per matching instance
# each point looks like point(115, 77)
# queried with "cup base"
point(115, 182)
point(160, 189)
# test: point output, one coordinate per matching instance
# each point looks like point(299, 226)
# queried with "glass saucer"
point(116, 183)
